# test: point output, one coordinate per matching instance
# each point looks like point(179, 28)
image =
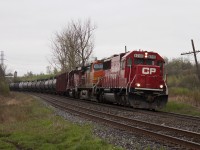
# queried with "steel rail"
point(135, 121)
point(171, 139)
point(161, 113)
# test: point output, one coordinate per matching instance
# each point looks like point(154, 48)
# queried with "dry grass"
point(26, 124)
point(185, 95)
point(182, 108)
point(11, 108)
point(186, 100)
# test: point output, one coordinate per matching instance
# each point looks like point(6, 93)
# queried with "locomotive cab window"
point(98, 67)
point(129, 62)
point(107, 65)
point(159, 63)
point(123, 64)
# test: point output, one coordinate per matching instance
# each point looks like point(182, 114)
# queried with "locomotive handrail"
point(97, 83)
point(166, 88)
point(128, 78)
point(131, 83)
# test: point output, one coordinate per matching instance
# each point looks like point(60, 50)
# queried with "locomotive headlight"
point(161, 86)
point(138, 84)
point(146, 55)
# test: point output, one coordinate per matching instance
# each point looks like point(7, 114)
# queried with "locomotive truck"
point(133, 79)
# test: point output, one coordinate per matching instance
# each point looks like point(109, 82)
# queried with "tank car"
point(11, 86)
point(37, 86)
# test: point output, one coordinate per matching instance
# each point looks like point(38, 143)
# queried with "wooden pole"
point(195, 58)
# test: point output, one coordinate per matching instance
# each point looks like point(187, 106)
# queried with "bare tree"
point(73, 46)
point(85, 42)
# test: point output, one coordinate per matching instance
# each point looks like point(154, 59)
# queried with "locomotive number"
point(148, 70)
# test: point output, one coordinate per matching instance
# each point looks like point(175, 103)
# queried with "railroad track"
point(183, 138)
point(160, 113)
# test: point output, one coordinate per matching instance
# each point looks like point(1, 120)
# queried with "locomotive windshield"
point(141, 61)
point(149, 62)
point(138, 61)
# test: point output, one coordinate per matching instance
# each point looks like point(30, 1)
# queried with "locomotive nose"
point(148, 76)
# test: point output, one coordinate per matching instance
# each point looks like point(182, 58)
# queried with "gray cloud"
point(165, 26)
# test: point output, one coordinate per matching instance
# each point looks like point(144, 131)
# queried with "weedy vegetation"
point(4, 88)
point(181, 108)
point(26, 124)
point(184, 87)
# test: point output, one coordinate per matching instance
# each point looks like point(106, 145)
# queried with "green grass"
point(185, 95)
point(179, 91)
point(30, 125)
point(182, 108)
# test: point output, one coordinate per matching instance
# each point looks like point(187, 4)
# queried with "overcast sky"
point(164, 26)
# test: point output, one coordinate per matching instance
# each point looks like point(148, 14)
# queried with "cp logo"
point(148, 70)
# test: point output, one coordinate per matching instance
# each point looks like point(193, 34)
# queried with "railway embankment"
point(28, 123)
point(25, 123)
point(110, 123)
point(176, 105)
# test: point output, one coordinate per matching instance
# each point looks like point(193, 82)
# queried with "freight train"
point(134, 78)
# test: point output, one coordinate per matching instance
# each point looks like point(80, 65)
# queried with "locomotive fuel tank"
point(109, 97)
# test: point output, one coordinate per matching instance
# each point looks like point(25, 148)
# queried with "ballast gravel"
point(114, 136)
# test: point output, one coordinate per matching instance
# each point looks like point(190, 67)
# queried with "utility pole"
point(195, 57)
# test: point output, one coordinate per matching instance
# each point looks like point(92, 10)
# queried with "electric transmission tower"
point(2, 58)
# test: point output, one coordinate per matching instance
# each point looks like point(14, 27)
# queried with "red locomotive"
point(134, 79)
point(130, 79)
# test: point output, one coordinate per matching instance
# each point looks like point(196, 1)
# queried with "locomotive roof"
point(115, 55)
point(140, 52)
